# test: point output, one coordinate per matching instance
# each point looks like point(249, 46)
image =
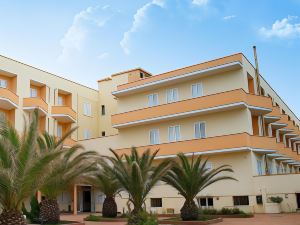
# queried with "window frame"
point(88, 132)
point(206, 206)
point(157, 102)
point(174, 127)
point(59, 127)
point(158, 136)
point(155, 200)
point(87, 109)
point(33, 90)
point(60, 101)
point(239, 202)
point(201, 90)
point(259, 165)
point(3, 81)
point(172, 90)
point(200, 122)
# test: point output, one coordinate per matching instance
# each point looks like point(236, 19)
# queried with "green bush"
point(142, 218)
point(208, 211)
point(234, 211)
point(276, 199)
point(93, 218)
point(33, 215)
point(226, 211)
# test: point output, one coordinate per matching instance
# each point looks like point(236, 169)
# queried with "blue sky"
point(86, 40)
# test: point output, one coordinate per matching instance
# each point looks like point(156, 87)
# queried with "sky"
point(86, 40)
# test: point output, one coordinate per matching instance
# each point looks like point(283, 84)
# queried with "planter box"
point(272, 208)
point(178, 222)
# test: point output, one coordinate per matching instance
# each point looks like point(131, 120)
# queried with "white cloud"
point(229, 17)
point(104, 55)
point(138, 20)
point(200, 2)
point(282, 29)
point(77, 33)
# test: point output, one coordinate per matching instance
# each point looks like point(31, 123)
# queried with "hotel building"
point(211, 109)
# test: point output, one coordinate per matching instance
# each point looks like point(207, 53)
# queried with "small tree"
point(21, 168)
point(105, 181)
point(73, 165)
point(137, 175)
point(191, 176)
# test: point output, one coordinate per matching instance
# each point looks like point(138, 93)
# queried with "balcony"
point(30, 104)
point(225, 64)
point(63, 114)
point(8, 99)
point(224, 101)
point(220, 144)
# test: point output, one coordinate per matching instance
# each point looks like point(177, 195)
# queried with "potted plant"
point(273, 206)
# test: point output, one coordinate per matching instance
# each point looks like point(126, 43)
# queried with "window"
point(141, 75)
point(86, 134)
point(156, 202)
point(102, 110)
point(87, 109)
point(240, 200)
point(152, 100)
point(59, 131)
point(259, 167)
point(60, 101)
point(259, 199)
point(154, 137)
point(103, 133)
point(199, 129)
point(3, 83)
point(174, 133)
point(33, 93)
point(270, 168)
point(206, 202)
point(2, 116)
point(197, 90)
point(172, 95)
point(278, 168)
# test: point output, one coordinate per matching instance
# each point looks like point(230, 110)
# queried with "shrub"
point(92, 218)
point(227, 211)
point(276, 199)
point(208, 211)
point(142, 218)
point(33, 215)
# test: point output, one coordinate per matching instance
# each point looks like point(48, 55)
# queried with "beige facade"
point(211, 109)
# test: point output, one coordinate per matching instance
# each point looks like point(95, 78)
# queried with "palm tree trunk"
point(189, 211)
point(49, 211)
point(109, 207)
point(12, 217)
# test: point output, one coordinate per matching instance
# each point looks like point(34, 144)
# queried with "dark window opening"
point(103, 133)
point(102, 110)
point(259, 199)
point(141, 75)
point(240, 200)
point(156, 202)
point(206, 202)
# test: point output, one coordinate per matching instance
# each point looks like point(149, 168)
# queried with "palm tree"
point(137, 174)
point(189, 177)
point(105, 181)
point(73, 165)
point(21, 168)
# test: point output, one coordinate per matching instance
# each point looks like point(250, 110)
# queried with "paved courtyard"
point(259, 219)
